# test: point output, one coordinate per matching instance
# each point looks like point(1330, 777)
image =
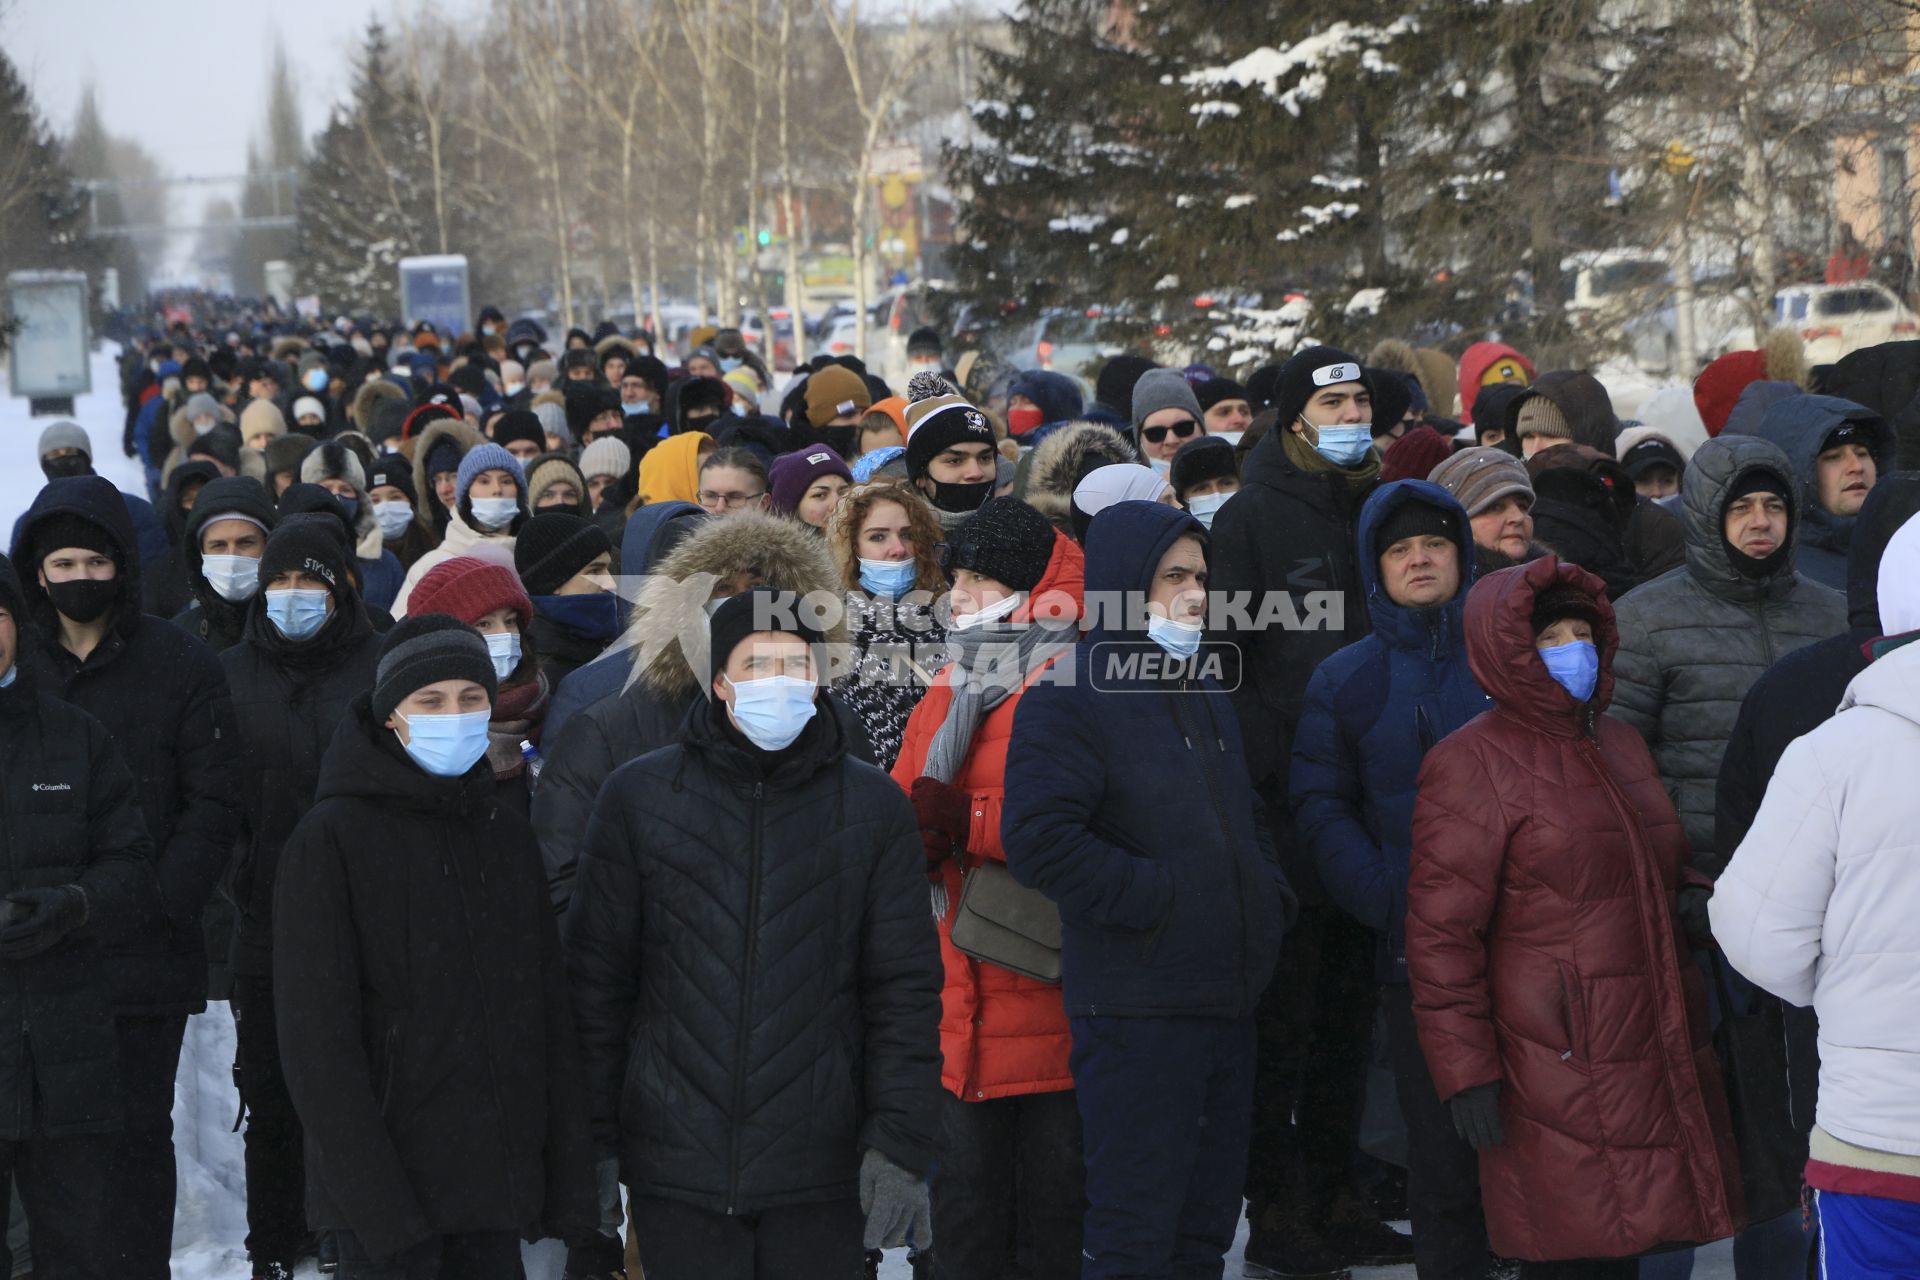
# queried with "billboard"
point(48, 358)
point(434, 289)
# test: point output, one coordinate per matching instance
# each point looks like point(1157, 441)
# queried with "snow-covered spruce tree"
point(43, 215)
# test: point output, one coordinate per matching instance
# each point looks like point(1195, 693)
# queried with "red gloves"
point(945, 814)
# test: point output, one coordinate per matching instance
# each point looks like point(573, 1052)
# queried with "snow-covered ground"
point(210, 1221)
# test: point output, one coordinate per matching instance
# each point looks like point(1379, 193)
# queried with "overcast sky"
point(188, 80)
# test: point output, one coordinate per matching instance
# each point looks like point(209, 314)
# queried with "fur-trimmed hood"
point(455, 429)
point(372, 390)
point(775, 550)
point(1060, 461)
point(182, 430)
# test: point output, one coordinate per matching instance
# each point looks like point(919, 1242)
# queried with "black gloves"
point(33, 920)
point(1694, 921)
point(1476, 1116)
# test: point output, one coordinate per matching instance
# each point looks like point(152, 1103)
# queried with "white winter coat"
point(1821, 903)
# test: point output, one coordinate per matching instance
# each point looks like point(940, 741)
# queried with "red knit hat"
point(1414, 455)
point(1719, 385)
point(469, 588)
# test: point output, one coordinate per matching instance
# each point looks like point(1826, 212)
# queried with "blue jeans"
point(1775, 1250)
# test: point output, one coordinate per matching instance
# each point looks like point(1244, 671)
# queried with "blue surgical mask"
point(316, 380)
point(495, 513)
point(297, 612)
point(1181, 639)
point(446, 746)
point(633, 410)
point(393, 518)
point(1576, 665)
point(233, 578)
point(1161, 466)
point(1206, 506)
point(1346, 444)
point(504, 647)
point(772, 711)
point(729, 363)
point(889, 578)
point(595, 615)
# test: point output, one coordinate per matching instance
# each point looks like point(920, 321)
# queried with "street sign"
point(49, 358)
point(434, 289)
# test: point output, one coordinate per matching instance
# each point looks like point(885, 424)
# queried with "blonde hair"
point(843, 532)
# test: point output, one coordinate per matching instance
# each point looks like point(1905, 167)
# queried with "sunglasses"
point(1154, 435)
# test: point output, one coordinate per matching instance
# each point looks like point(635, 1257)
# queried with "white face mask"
point(233, 578)
point(495, 513)
point(772, 711)
point(1205, 506)
point(393, 518)
point(203, 425)
point(504, 647)
point(1231, 437)
point(512, 389)
point(992, 613)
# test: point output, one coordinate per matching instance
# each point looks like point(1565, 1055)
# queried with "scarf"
point(1306, 458)
point(518, 713)
point(991, 662)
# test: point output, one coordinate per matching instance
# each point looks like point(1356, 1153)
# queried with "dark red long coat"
point(1545, 954)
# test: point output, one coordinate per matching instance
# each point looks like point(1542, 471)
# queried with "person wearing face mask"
point(1693, 641)
point(436, 440)
point(490, 505)
point(566, 566)
point(308, 651)
point(808, 484)
point(836, 398)
point(163, 587)
point(1040, 402)
point(1165, 416)
point(1224, 407)
point(1285, 544)
point(1204, 474)
point(76, 871)
point(337, 469)
point(782, 883)
point(1372, 712)
point(1171, 914)
point(554, 483)
point(161, 695)
point(1011, 1183)
point(396, 510)
point(1561, 1015)
point(424, 1016)
point(1117, 482)
point(884, 540)
point(925, 353)
point(488, 597)
point(224, 539)
point(196, 417)
point(951, 456)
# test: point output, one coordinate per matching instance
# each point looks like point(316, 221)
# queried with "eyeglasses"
point(731, 501)
point(1154, 435)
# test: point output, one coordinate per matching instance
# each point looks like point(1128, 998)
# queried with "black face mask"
point(83, 599)
point(839, 439)
point(959, 499)
point(75, 464)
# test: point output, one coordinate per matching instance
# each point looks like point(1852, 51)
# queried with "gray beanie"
point(201, 405)
point(65, 435)
point(553, 421)
point(1480, 477)
point(1163, 389)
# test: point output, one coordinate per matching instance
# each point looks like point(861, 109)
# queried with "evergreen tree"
point(43, 213)
point(91, 155)
point(283, 150)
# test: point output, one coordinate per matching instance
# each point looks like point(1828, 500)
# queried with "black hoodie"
point(211, 617)
point(162, 696)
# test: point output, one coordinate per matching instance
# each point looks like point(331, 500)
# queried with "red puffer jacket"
point(1545, 954)
point(1001, 1035)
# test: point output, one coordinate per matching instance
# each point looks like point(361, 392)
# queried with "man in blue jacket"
point(1371, 712)
point(1129, 805)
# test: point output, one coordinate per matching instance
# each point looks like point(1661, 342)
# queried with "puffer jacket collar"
point(1703, 499)
point(1502, 656)
point(707, 736)
point(366, 761)
point(1429, 630)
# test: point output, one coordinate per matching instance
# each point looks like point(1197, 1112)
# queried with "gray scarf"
point(993, 661)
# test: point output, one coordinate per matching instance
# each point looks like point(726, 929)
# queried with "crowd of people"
point(737, 826)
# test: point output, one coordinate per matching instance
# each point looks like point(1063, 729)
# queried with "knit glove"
point(944, 809)
point(36, 919)
point(899, 1211)
point(1476, 1116)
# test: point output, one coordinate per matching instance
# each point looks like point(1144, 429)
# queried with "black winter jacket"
point(423, 1013)
point(1289, 533)
point(288, 699)
point(209, 616)
point(755, 974)
point(163, 697)
point(69, 814)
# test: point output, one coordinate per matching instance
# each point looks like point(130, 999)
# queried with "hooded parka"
point(1800, 425)
point(1545, 956)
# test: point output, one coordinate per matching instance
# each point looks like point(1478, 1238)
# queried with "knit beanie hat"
point(202, 405)
point(1391, 399)
point(444, 457)
point(607, 456)
point(938, 418)
point(65, 435)
point(196, 367)
point(307, 406)
point(519, 424)
point(393, 471)
point(699, 393)
point(486, 457)
point(1563, 601)
point(554, 546)
point(388, 418)
point(752, 611)
point(1215, 390)
point(1756, 480)
point(1414, 455)
point(69, 529)
point(1307, 372)
point(1260, 386)
point(332, 461)
point(1415, 519)
point(553, 422)
point(1162, 389)
point(258, 417)
point(1201, 459)
point(586, 401)
point(923, 342)
point(1719, 385)
point(543, 371)
point(310, 542)
point(1005, 540)
point(424, 649)
point(792, 474)
point(1536, 415)
point(1482, 476)
point(286, 452)
point(232, 498)
point(1114, 387)
point(469, 588)
point(834, 392)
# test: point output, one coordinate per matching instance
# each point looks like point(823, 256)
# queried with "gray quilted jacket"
point(1695, 638)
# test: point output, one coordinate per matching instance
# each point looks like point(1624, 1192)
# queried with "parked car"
point(1614, 284)
point(1834, 319)
point(1722, 322)
point(1065, 341)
